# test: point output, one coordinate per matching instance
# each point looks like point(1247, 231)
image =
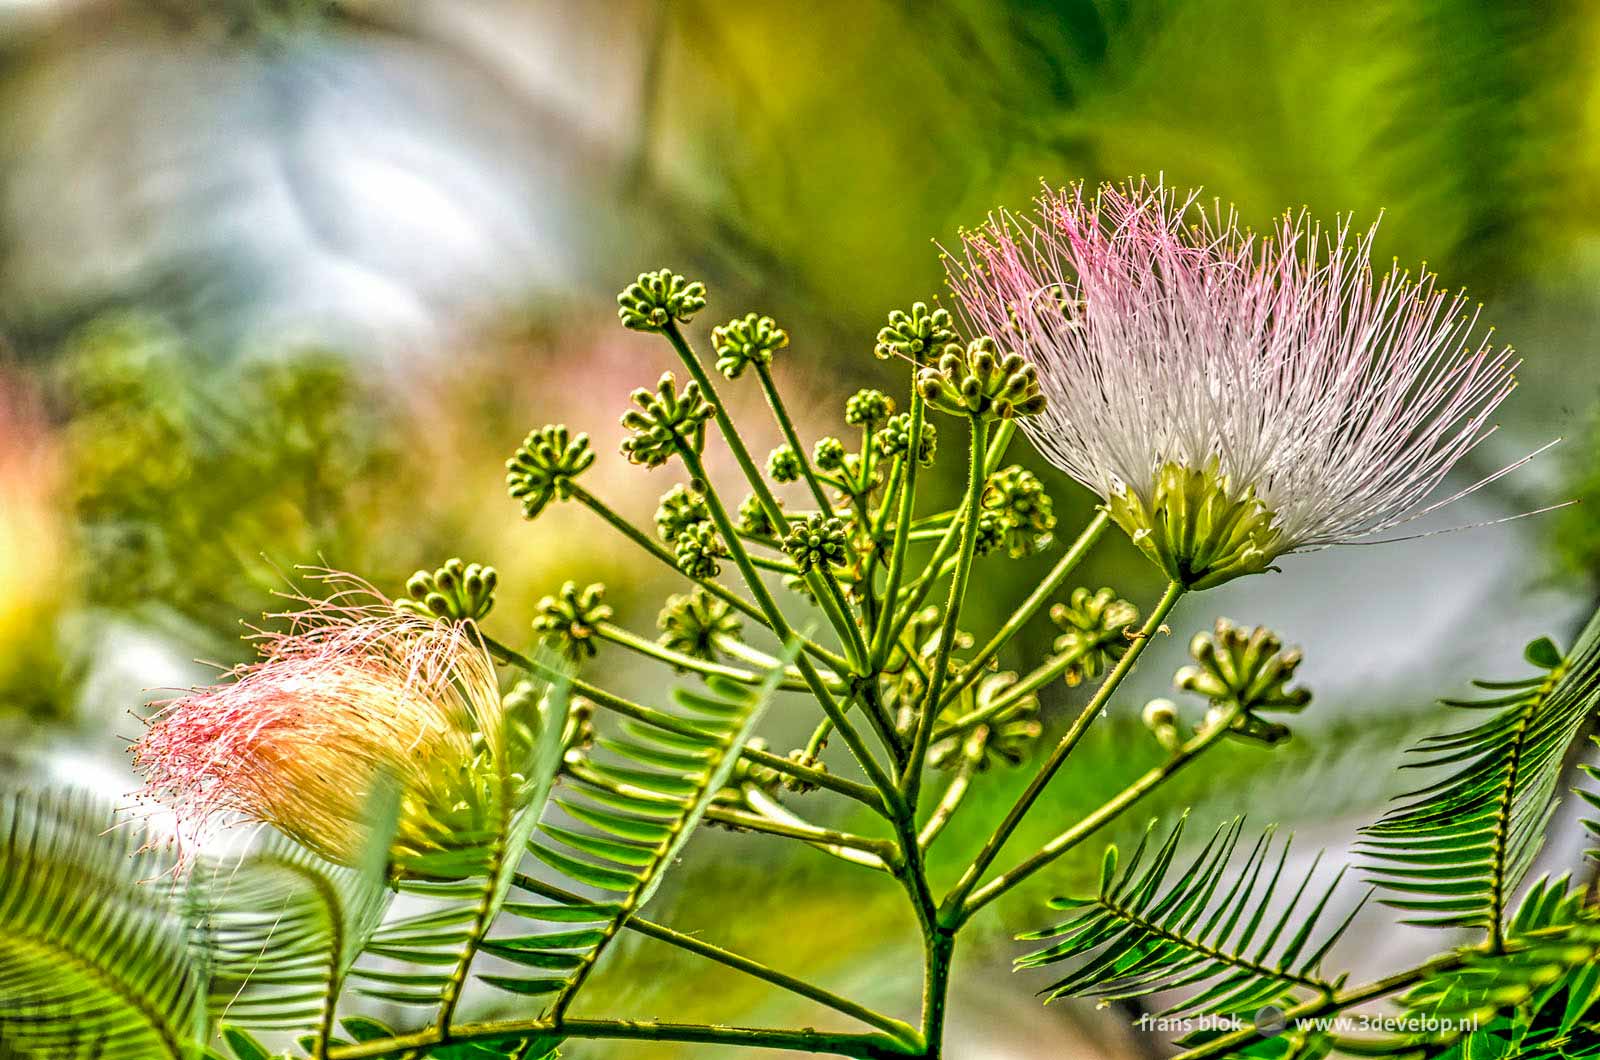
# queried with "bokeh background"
point(284, 282)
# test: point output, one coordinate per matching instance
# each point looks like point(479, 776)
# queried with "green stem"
point(804, 832)
point(791, 436)
point(1003, 702)
point(847, 629)
point(715, 588)
point(738, 962)
point(928, 716)
point(950, 912)
point(858, 850)
point(667, 722)
point(650, 649)
point(873, 1046)
point(940, 947)
point(1029, 607)
point(882, 635)
point(1092, 823)
point(997, 448)
point(780, 626)
point(955, 792)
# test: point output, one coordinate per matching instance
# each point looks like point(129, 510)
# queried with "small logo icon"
point(1269, 1021)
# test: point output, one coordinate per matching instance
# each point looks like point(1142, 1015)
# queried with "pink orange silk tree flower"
point(354, 690)
point(1231, 396)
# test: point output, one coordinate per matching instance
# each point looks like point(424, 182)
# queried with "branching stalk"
point(951, 911)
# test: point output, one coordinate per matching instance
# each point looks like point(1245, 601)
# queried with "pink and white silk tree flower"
point(1231, 397)
point(355, 693)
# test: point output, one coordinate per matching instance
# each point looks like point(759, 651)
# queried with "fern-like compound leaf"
point(280, 929)
point(1219, 927)
point(94, 960)
point(624, 819)
point(1452, 853)
point(1537, 999)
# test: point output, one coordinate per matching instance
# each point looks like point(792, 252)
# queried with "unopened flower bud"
point(895, 439)
point(817, 542)
point(679, 509)
point(666, 422)
point(566, 621)
point(868, 408)
point(979, 382)
point(921, 335)
point(748, 340)
point(1161, 718)
point(658, 298)
point(828, 454)
point(456, 590)
point(783, 465)
point(544, 466)
point(697, 549)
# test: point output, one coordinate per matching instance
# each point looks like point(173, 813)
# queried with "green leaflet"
point(631, 814)
point(93, 960)
point(1454, 850)
point(280, 928)
point(1539, 1000)
point(1152, 928)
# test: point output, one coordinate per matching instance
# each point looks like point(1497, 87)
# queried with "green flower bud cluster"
point(783, 465)
point(920, 335)
point(692, 622)
point(1093, 631)
point(991, 533)
point(747, 340)
point(680, 508)
point(868, 408)
point(697, 550)
point(1025, 511)
point(753, 517)
point(895, 439)
point(566, 622)
point(658, 298)
point(665, 422)
point(979, 381)
point(456, 590)
point(816, 542)
point(1249, 670)
point(544, 466)
point(1009, 736)
point(828, 454)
